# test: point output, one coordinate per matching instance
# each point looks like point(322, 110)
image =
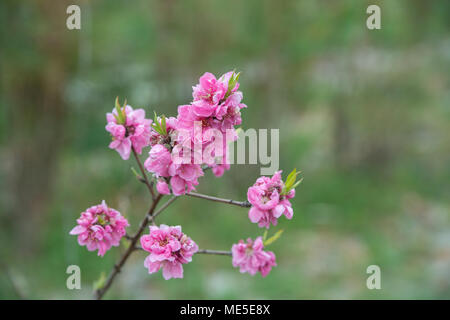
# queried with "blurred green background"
point(364, 114)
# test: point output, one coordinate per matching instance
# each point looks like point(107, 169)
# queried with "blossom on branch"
point(128, 128)
point(270, 199)
point(100, 228)
point(167, 148)
point(251, 258)
point(169, 249)
point(215, 108)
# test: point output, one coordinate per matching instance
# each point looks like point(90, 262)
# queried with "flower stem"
point(118, 266)
point(244, 204)
point(217, 252)
point(144, 174)
point(201, 251)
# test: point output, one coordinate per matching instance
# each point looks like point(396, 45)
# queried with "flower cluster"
point(208, 122)
point(250, 257)
point(270, 199)
point(212, 116)
point(129, 129)
point(166, 142)
point(169, 249)
point(179, 147)
point(99, 228)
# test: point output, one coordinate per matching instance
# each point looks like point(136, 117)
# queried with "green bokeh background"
point(364, 114)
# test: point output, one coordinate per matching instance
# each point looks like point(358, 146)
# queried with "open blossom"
point(215, 105)
point(268, 201)
point(251, 258)
point(99, 228)
point(133, 132)
point(162, 187)
point(169, 249)
point(182, 176)
point(215, 108)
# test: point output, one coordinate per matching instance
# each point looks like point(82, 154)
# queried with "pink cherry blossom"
point(251, 258)
point(159, 160)
point(162, 187)
point(134, 132)
point(182, 176)
point(268, 201)
point(169, 249)
point(215, 107)
point(209, 91)
point(99, 228)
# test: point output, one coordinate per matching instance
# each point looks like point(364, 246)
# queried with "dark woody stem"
point(244, 204)
point(99, 293)
point(202, 251)
point(143, 178)
point(150, 218)
point(216, 252)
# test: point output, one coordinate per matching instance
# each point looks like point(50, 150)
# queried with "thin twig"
point(118, 266)
point(244, 204)
point(144, 175)
point(217, 252)
point(164, 206)
point(201, 251)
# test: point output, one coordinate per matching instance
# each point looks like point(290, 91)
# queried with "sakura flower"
point(159, 160)
point(99, 228)
point(167, 149)
point(270, 200)
point(207, 94)
point(169, 249)
point(216, 104)
point(251, 258)
point(128, 128)
point(162, 187)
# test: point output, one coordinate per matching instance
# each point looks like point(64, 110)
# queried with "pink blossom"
point(159, 160)
point(219, 169)
point(171, 126)
point(215, 107)
point(268, 201)
point(100, 227)
point(250, 257)
point(162, 187)
point(134, 132)
point(208, 93)
point(182, 176)
point(169, 249)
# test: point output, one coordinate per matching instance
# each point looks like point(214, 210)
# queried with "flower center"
point(163, 242)
point(204, 123)
point(102, 219)
point(130, 130)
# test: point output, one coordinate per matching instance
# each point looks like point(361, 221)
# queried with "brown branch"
point(118, 266)
point(144, 178)
point(244, 204)
point(217, 252)
point(201, 251)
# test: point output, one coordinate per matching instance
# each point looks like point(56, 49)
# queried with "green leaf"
point(290, 179)
point(159, 125)
point(163, 124)
point(232, 83)
point(265, 236)
point(273, 238)
point(100, 282)
point(121, 117)
point(290, 182)
point(298, 182)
